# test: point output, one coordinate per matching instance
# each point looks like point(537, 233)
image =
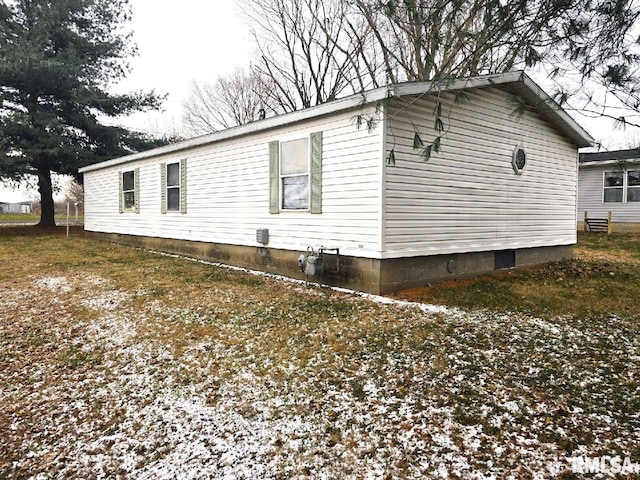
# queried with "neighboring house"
point(610, 182)
point(349, 175)
point(16, 207)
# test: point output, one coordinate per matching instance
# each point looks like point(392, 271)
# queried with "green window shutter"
point(120, 206)
point(136, 189)
point(274, 177)
point(183, 186)
point(316, 173)
point(163, 188)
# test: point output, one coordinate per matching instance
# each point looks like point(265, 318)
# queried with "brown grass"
point(94, 335)
point(602, 280)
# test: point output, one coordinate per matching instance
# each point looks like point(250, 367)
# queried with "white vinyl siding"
point(228, 192)
point(467, 197)
point(591, 194)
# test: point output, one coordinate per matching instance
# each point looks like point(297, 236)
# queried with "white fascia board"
point(598, 163)
point(520, 83)
point(551, 107)
point(518, 79)
point(346, 103)
point(446, 85)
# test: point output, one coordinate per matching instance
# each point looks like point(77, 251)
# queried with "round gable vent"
point(519, 161)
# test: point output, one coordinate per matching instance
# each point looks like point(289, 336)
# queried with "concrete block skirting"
point(400, 273)
point(363, 274)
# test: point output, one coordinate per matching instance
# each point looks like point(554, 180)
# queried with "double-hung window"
point(173, 187)
point(621, 186)
point(173, 179)
point(613, 186)
point(633, 186)
point(294, 174)
point(129, 191)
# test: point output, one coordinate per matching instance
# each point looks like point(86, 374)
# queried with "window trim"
point(315, 152)
point(124, 191)
point(633, 187)
point(177, 187)
point(135, 208)
point(181, 187)
point(624, 187)
point(281, 176)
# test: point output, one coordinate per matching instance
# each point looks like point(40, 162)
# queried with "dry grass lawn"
point(121, 363)
point(603, 280)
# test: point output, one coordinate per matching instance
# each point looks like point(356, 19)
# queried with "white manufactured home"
point(349, 185)
point(609, 183)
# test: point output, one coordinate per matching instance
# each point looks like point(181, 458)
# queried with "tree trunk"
point(45, 187)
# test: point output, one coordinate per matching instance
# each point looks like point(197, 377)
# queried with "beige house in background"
point(348, 176)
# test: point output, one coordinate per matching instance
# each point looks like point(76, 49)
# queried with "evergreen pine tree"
point(58, 59)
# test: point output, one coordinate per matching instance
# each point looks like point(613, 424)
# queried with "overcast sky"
point(181, 42)
point(178, 42)
point(198, 40)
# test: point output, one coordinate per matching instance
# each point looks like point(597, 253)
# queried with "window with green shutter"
point(183, 186)
point(163, 188)
point(274, 177)
point(136, 186)
point(130, 191)
point(173, 187)
point(315, 195)
point(295, 174)
point(173, 184)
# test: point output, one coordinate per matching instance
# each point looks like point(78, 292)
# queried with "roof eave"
point(597, 163)
point(242, 130)
point(521, 84)
point(561, 119)
point(519, 81)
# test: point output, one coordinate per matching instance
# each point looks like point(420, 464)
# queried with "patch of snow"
point(511, 406)
point(106, 301)
point(54, 284)
point(424, 307)
point(225, 406)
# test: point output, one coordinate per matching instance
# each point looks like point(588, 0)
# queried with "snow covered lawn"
point(118, 363)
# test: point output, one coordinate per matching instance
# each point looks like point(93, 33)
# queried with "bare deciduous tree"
point(229, 101)
point(313, 51)
point(434, 39)
point(310, 50)
point(74, 192)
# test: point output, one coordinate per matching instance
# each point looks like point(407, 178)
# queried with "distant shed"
point(348, 176)
point(25, 207)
